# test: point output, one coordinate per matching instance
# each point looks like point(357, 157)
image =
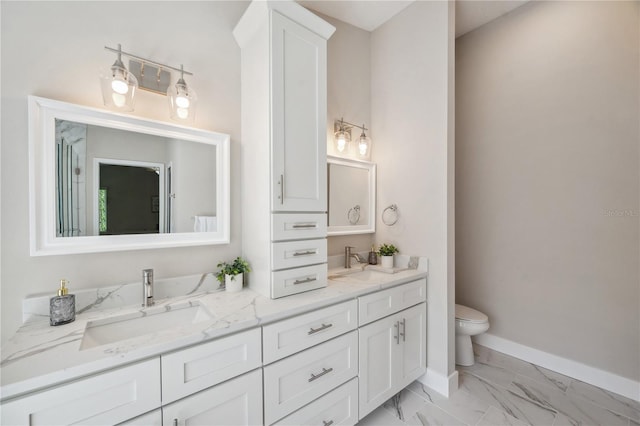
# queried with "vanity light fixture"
point(343, 138)
point(119, 85)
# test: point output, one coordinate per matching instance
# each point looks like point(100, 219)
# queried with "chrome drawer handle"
point(317, 376)
point(323, 327)
point(304, 253)
point(397, 336)
point(329, 423)
point(307, 225)
point(306, 280)
point(281, 189)
point(404, 329)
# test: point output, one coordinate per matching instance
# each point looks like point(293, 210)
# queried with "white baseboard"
point(439, 382)
point(577, 370)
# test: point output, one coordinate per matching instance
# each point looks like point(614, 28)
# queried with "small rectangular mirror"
point(352, 196)
point(102, 181)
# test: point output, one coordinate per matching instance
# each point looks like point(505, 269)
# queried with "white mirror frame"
point(42, 211)
point(370, 227)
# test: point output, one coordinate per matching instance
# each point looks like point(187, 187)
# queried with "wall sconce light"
point(119, 85)
point(343, 137)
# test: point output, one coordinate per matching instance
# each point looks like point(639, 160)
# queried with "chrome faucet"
point(348, 255)
point(147, 287)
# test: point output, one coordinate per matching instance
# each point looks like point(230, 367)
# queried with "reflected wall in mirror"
point(352, 196)
point(101, 181)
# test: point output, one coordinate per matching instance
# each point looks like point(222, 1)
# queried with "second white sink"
point(123, 327)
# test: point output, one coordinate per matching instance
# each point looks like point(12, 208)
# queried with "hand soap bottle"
point(373, 257)
point(62, 308)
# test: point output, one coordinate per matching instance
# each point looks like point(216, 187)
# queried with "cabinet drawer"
point(236, 402)
point(338, 407)
point(298, 226)
point(190, 370)
point(386, 302)
point(295, 381)
point(292, 254)
point(107, 398)
point(292, 281)
point(287, 337)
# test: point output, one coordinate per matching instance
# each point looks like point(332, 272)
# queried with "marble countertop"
point(39, 355)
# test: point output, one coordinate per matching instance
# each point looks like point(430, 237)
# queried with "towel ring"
point(353, 215)
point(390, 215)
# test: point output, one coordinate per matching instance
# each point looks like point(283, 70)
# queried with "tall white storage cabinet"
point(284, 121)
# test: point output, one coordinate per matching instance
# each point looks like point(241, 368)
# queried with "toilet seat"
point(464, 313)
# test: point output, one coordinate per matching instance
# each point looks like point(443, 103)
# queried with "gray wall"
point(547, 173)
point(56, 50)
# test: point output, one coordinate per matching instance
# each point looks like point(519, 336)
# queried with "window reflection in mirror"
point(351, 190)
point(116, 182)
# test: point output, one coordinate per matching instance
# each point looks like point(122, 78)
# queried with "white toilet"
point(469, 322)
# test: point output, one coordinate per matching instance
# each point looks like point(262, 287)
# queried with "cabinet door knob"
point(404, 329)
point(323, 327)
point(317, 376)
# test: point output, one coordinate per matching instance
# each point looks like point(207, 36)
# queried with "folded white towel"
point(205, 224)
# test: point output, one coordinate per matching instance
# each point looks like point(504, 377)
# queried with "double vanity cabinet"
point(326, 366)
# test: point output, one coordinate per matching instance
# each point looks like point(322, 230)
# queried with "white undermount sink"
point(359, 275)
point(123, 327)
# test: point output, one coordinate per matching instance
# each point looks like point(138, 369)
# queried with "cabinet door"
point(413, 344)
point(299, 110)
point(236, 402)
point(378, 356)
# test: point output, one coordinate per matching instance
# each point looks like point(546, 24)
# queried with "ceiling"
point(370, 14)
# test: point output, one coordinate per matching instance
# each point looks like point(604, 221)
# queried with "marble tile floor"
point(502, 390)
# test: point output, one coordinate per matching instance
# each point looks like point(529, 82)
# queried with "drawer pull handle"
point(317, 376)
point(404, 329)
point(397, 336)
point(304, 225)
point(304, 253)
point(323, 327)
point(306, 280)
point(329, 423)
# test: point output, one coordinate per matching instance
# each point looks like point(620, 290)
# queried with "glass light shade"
point(119, 88)
point(364, 145)
point(342, 139)
point(182, 101)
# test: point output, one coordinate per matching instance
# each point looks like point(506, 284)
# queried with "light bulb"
point(182, 112)
point(362, 147)
point(342, 143)
point(182, 101)
point(120, 86)
point(118, 99)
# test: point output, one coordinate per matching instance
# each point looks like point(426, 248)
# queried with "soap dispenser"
point(62, 308)
point(373, 256)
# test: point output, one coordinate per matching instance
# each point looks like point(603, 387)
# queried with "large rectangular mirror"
point(352, 196)
point(102, 181)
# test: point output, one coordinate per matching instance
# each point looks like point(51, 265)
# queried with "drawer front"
point(190, 370)
point(298, 226)
point(292, 281)
point(295, 381)
point(236, 402)
point(287, 337)
point(107, 398)
point(292, 254)
point(338, 407)
point(386, 302)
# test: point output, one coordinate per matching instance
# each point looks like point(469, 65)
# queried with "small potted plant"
point(232, 274)
point(386, 252)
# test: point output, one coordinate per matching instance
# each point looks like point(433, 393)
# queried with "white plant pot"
point(386, 261)
point(233, 283)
